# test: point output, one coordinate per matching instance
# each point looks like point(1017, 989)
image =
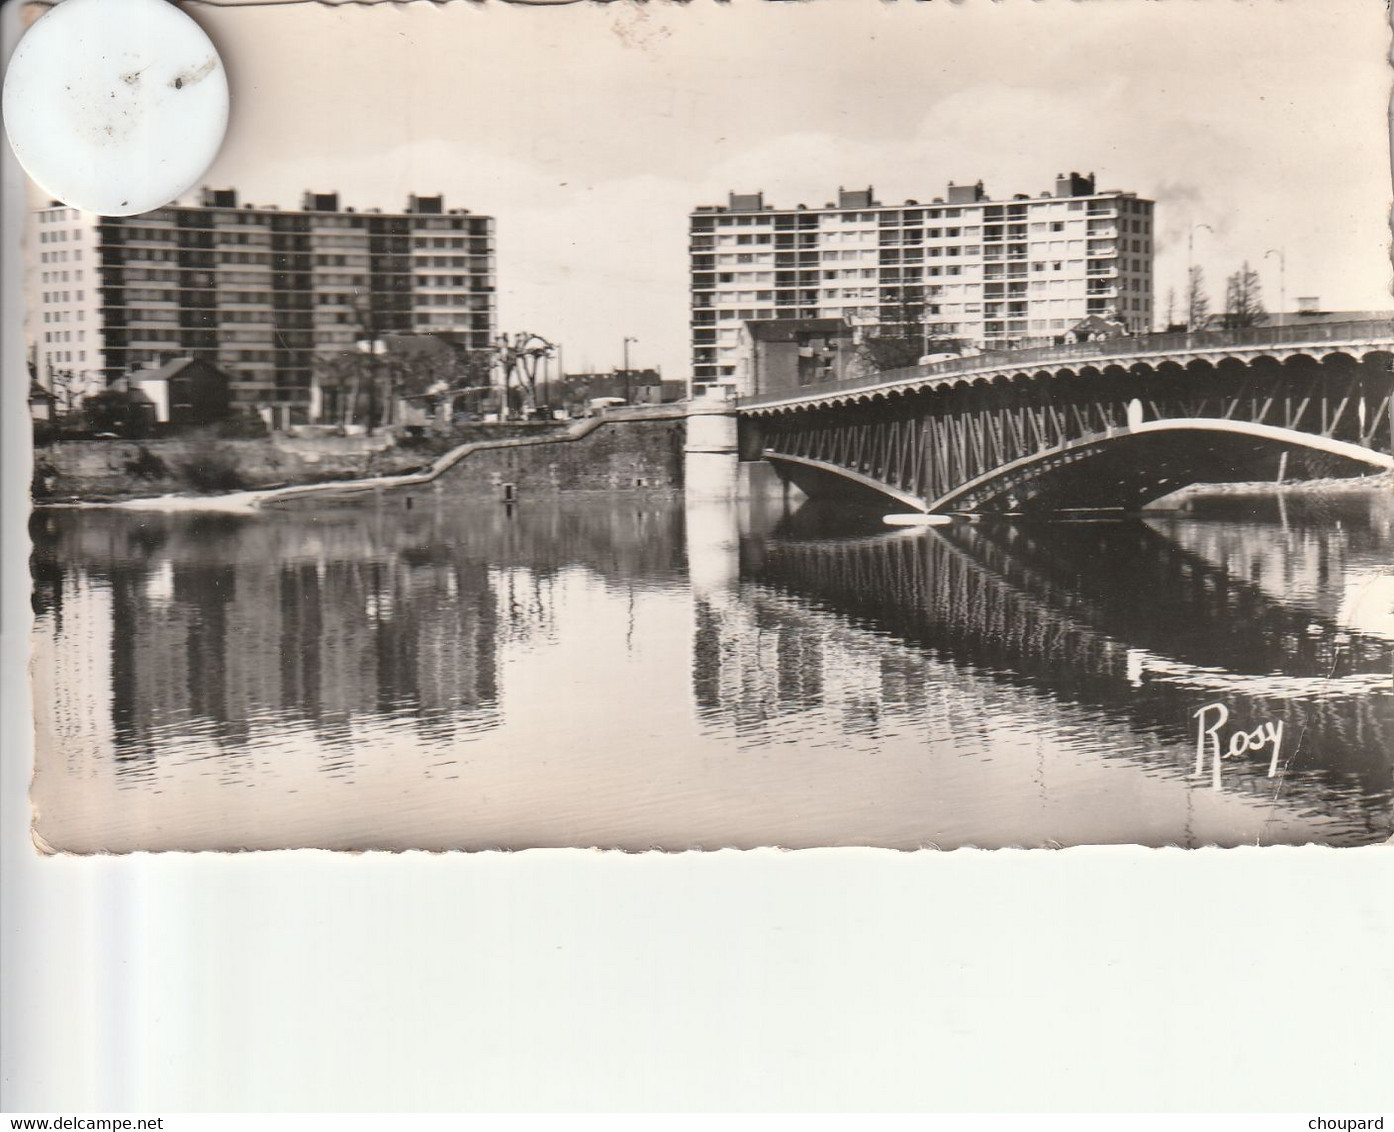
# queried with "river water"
point(639, 672)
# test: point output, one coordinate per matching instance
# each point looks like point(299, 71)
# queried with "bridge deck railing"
point(1312, 333)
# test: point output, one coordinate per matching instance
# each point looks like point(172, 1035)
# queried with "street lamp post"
point(627, 341)
point(1282, 280)
point(1191, 270)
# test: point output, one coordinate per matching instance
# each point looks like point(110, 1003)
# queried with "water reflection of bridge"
point(1112, 616)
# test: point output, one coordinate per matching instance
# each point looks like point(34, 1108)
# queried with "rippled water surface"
point(644, 673)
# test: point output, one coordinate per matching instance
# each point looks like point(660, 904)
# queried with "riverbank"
point(203, 466)
point(1381, 481)
point(201, 471)
point(634, 449)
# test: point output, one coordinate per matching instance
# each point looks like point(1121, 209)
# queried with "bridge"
point(1110, 424)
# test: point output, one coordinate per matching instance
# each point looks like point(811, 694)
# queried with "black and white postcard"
point(690, 426)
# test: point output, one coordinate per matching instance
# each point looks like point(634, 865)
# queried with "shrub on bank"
point(214, 467)
point(241, 426)
point(146, 465)
point(44, 480)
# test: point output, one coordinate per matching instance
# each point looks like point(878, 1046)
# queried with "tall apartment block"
point(990, 273)
point(257, 291)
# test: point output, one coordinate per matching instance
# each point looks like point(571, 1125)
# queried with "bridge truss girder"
point(971, 447)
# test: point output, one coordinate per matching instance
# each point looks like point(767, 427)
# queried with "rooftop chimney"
point(1074, 185)
point(965, 194)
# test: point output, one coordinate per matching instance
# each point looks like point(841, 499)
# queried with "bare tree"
point(1197, 301)
point(68, 389)
point(364, 387)
point(348, 378)
point(341, 378)
point(1244, 299)
point(908, 330)
point(519, 357)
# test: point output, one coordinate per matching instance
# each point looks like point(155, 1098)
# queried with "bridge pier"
point(711, 455)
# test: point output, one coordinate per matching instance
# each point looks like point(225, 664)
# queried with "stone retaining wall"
point(607, 455)
point(201, 463)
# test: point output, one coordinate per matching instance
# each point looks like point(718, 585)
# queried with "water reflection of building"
point(1321, 553)
point(1295, 565)
point(319, 643)
point(72, 666)
point(749, 667)
point(230, 628)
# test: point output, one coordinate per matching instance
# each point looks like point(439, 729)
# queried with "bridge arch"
point(1124, 468)
point(1014, 483)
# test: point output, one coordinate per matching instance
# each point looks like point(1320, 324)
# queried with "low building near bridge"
point(185, 392)
point(790, 353)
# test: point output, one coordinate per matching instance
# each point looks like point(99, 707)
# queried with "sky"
point(591, 131)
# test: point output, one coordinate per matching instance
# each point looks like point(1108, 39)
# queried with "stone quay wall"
point(599, 454)
point(622, 451)
point(126, 469)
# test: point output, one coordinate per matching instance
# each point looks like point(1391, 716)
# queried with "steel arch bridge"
point(1106, 424)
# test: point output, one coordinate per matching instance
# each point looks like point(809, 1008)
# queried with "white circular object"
point(115, 106)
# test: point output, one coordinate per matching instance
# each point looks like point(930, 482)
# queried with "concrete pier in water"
point(711, 453)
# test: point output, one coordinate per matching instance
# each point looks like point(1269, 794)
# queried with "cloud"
point(591, 132)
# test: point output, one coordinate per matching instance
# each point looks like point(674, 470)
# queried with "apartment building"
point(256, 291)
point(986, 273)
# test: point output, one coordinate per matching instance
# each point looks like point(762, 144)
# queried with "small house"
point(1098, 328)
point(41, 402)
point(186, 391)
